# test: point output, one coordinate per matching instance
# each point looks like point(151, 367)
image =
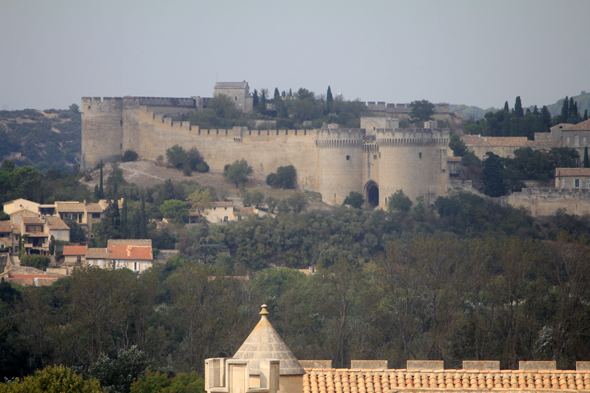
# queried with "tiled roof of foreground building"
point(383, 381)
point(265, 343)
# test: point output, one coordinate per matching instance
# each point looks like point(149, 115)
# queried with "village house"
point(220, 212)
point(38, 232)
point(74, 254)
point(8, 237)
point(572, 178)
point(504, 146)
point(133, 254)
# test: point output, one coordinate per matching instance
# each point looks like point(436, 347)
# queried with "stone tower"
point(262, 363)
point(341, 158)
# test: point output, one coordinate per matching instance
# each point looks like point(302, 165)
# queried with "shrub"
point(129, 155)
point(285, 177)
point(36, 261)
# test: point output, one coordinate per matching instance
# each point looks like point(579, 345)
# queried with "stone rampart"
point(547, 201)
point(381, 106)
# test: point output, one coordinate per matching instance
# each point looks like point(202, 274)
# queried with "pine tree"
point(586, 159)
point(100, 187)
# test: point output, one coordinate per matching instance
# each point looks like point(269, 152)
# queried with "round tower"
point(414, 161)
point(341, 158)
point(102, 130)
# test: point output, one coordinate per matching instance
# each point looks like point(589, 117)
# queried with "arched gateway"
point(372, 193)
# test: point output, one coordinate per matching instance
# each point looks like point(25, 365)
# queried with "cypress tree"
point(290, 93)
point(329, 100)
point(586, 114)
point(96, 198)
point(586, 159)
point(100, 187)
point(546, 117)
point(565, 111)
point(142, 219)
point(277, 95)
point(255, 99)
point(518, 108)
point(124, 221)
point(506, 107)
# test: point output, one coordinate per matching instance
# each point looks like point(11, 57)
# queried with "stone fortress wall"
point(540, 202)
point(330, 160)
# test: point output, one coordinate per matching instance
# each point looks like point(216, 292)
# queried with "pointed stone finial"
point(264, 311)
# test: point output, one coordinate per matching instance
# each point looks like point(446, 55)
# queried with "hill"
point(44, 139)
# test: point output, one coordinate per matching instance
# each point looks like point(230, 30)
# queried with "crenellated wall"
point(547, 201)
point(328, 160)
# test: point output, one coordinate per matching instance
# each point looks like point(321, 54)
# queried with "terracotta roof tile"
point(33, 220)
point(585, 172)
point(55, 223)
point(74, 250)
point(130, 252)
point(541, 144)
point(133, 242)
point(94, 208)
point(97, 253)
point(69, 206)
point(454, 159)
point(384, 381)
point(6, 226)
point(583, 126)
point(218, 204)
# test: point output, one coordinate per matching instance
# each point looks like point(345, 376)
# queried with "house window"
point(374, 156)
point(135, 266)
point(577, 140)
point(420, 155)
point(347, 158)
point(564, 183)
point(577, 183)
point(587, 183)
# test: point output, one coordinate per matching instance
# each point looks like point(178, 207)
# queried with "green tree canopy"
point(285, 177)
point(58, 379)
point(238, 172)
point(175, 210)
point(493, 176)
point(354, 199)
point(399, 202)
point(422, 110)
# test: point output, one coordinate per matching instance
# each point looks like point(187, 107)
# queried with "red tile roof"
point(583, 126)
point(130, 252)
point(74, 250)
point(6, 226)
point(572, 172)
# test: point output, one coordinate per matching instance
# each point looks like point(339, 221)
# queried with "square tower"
point(238, 92)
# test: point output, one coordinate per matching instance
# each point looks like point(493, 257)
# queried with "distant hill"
point(44, 139)
point(583, 100)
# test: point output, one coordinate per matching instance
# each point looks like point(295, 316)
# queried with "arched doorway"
point(372, 193)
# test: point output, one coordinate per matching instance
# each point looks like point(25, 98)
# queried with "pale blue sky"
point(462, 52)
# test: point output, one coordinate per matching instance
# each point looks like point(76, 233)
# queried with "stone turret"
point(263, 363)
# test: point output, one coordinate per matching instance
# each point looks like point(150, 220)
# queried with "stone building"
point(133, 254)
point(238, 92)
point(328, 160)
point(262, 364)
point(572, 178)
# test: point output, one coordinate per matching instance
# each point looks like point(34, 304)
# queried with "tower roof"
point(265, 343)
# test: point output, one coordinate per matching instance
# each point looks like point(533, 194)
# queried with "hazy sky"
point(462, 52)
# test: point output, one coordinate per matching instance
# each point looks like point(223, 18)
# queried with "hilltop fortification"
point(329, 160)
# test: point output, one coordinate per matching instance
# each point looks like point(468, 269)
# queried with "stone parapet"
point(368, 364)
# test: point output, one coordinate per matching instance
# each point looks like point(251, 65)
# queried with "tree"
point(115, 181)
point(224, 107)
point(201, 199)
point(176, 156)
point(255, 99)
point(518, 112)
point(77, 234)
point(297, 202)
point(124, 220)
point(238, 172)
point(160, 383)
point(565, 110)
point(285, 177)
point(100, 184)
point(116, 375)
point(129, 155)
point(53, 380)
point(175, 210)
point(399, 202)
point(75, 109)
point(329, 100)
point(277, 95)
point(110, 225)
point(421, 110)
point(545, 118)
point(457, 146)
point(493, 180)
point(586, 159)
point(37, 261)
point(354, 199)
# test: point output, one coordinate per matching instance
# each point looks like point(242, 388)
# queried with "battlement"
point(556, 193)
point(402, 108)
point(340, 137)
point(146, 101)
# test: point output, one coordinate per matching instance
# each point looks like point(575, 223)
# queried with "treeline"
point(47, 141)
point(425, 297)
point(290, 110)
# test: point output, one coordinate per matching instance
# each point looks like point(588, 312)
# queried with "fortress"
point(376, 160)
